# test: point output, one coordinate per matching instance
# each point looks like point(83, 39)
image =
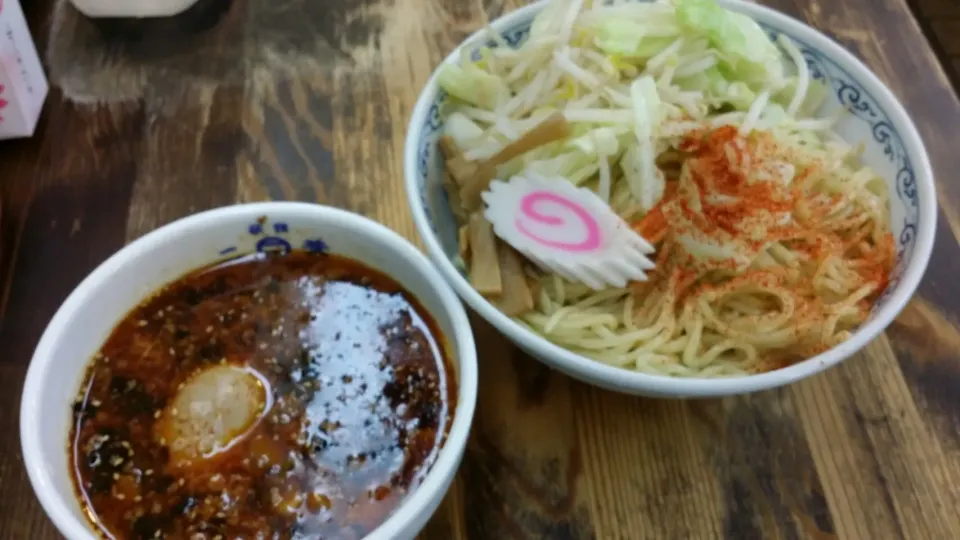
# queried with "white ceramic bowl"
point(893, 148)
point(90, 313)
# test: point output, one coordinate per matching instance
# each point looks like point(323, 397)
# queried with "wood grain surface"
point(870, 449)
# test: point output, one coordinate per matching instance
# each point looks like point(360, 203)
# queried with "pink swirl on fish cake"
point(588, 222)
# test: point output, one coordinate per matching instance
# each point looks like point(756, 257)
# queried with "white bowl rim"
point(607, 376)
point(413, 506)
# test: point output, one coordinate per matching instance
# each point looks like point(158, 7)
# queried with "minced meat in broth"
point(357, 398)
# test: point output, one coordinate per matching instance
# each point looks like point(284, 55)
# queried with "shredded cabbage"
point(471, 84)
point(745, 52)
point(639, 167)
point(633, 79)
point(465, 132)
point(629, 40)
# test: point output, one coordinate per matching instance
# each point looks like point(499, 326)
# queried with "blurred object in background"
point(215, 44)
point(23, 85)
point(132, 8)
point(136, 21)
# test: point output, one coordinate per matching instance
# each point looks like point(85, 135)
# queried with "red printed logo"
point(3, 102)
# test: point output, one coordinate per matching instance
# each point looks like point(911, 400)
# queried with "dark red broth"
point(359, 396)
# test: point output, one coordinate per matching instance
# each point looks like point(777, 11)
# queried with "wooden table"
point(870, 449)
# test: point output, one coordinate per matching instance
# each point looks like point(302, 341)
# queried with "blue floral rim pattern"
point(848, 92)
point(273, 239)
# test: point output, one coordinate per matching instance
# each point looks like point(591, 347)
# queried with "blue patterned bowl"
point(892, 147)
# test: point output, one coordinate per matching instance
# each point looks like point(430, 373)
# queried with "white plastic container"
point(23, 85)
point(132, 8)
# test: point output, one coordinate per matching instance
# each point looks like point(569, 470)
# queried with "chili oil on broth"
point(269, 396)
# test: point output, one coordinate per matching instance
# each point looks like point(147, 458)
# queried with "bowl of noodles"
point(785, 192)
